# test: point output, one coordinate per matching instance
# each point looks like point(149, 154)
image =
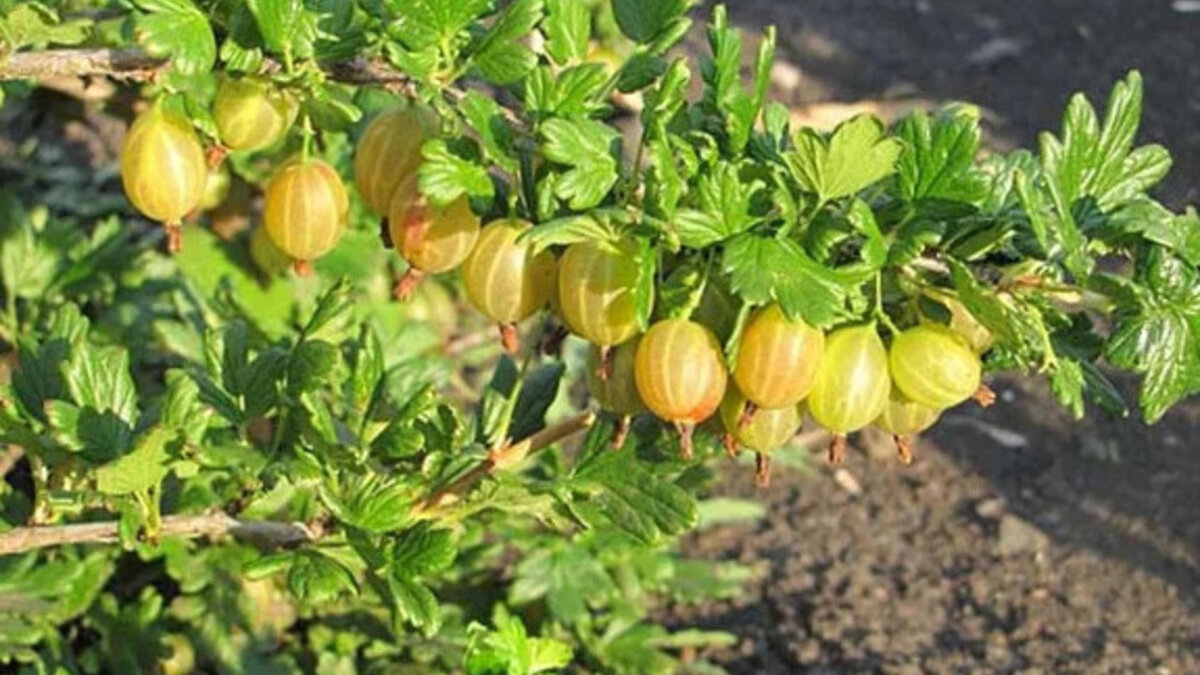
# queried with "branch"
point(505, 458)
point(136, 64)
point(267, 534)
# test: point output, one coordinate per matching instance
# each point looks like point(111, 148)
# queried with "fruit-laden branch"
point(267, 534)
point(275, 534)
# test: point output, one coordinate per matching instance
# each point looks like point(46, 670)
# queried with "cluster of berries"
point(677, 370)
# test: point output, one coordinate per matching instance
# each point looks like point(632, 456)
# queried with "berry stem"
point(762, 470)
point(903, 449)
point(984, 396)
point(215, 155)
point(837, 449)
point(731, 445)
point(686, 445)
point(605, 369)
point(621, 432)
point(748, 414)
point(407, 285)
point(174, 237)
point(509, 339)
point(303, 268)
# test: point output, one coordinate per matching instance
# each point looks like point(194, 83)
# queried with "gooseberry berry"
point(503, 278)
point(852, 384)
point(617, 391)
point(778, 358)
point(902, 417)
point(768, 429)
point(934, 366)
point(432, 239)
point(304, 210)
point(216, 187)
point(390, 151)
point(596, 291)
point(963, 322)
point(163, 169)
point(680, 373)
point(252, 114)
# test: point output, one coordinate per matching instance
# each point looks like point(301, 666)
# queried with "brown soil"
point(1019, 541)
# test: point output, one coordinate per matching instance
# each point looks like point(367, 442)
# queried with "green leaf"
point(318, 578)
point(537, 394)
point(1159, 335)
point(939, 155)
point(566, 231)
point(34, 24)
point(449, 173)
point(499, 401)
point(421, 551)
point(486, 117)
point(567, 27)
point(140, 470)
point(508, 650)
point(413, 602)
point(287, 26)
point(371, 503)
point(765, 269)
point(858, 154)
point(1017, 326)
point(179, 30)
point(423, 23)
point(622, 494)
point(643, 20)
point(500, 55)
point(310, 364)
point(565, 576)
point(588, 147)
point(333, 313)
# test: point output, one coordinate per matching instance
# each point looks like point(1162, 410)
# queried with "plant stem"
point(504, 458)
point(879, 311)
point(268, 534)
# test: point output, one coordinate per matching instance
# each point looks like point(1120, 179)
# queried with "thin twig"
point(267, 534)
point(506, 457)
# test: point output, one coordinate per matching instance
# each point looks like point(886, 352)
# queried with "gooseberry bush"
point(293, 388)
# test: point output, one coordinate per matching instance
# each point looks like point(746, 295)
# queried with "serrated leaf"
point(372, 503)
point(141, 469)
point(567, 27)
point(310, 364)
point(177, 29)
point(448, 174)
point(421, 551)
point(565, 576)
point(856, 155)
point(33, 24)
point(1159, 336)
point(414, 603)
point(643, 20)
point(500, 55)
point(938, 159)
point(624, 495)
point(764, 269)
point(287, 26)
point(587, 146)
point(566, 231)
point(318, 578)
point(486, 117)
